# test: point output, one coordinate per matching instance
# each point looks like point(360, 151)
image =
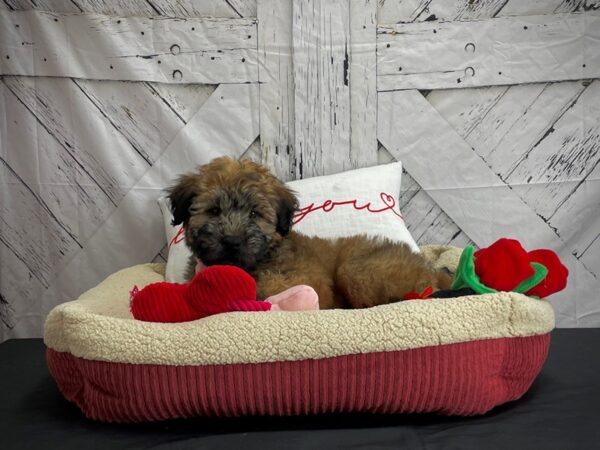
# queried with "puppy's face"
point(233, 212)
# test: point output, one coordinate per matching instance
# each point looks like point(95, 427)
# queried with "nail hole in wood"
point(111, 67)
point(177, 75)
point(243, 59)
point(249, 37)
point(56, 20)
point(17, 25)
point(212, 58)
point(388, 46)
point(175, 49)
point(583, 65)
point(118, 21)
point(142, 32)
point(458, 80)
point(434, 31)
point(193, 28)
point(159, 61)
point(45, 59)
point(499, 73)
point(525, 27)
point(7, 57)
point(399, 69)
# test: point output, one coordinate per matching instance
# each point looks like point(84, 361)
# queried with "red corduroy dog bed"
point(459, 356)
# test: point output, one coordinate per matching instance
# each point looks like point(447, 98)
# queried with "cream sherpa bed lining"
point(99, 325)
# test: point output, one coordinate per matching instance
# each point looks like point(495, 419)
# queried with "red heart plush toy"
point(161, 302)
point(214, 290)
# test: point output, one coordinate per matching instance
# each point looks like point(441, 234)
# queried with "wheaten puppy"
point(236, 212)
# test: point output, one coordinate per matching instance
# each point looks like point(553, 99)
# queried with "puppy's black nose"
point(232, 241)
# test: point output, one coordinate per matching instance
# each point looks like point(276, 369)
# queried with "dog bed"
point(458, 356)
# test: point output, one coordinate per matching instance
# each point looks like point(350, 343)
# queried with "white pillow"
point(179, 254)
point(363, 201)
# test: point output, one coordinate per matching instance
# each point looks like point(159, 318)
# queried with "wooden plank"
point(253, 152)
point(472, 186)
point(512, 50)
point(577, 221)
point(194, 8)
point(502, 124)
point(30, 230)
point(425, 220)
point(466, 109)
point(396, 11)
point(245, 8)
point(144, 8)
point(122, 8)
point(363, 83)
point(337, 66)
point(405, 11)
point(555, 166)
point(578, 5)
point(7, 320)
point(508, 129)
point(532, 7)
point(106, 157)
point(70, 195)
point(52, 173)
point(21, 312)
point(183, 99)
point(163, 255)
point(137, 112)
point(591, 255)
point(322, 93)
point(202, 139)
point(277, 87)
point(141, 49)
point(65, 180)
point(63, 6)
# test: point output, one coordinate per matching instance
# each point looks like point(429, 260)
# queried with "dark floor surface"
point(561, 411)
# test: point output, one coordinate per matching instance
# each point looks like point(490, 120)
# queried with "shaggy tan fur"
point(237, 212)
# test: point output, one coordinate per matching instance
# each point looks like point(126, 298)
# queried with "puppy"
point(236, 212)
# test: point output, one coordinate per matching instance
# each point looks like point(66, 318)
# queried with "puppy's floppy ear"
point(181, 196)
point(288, 205)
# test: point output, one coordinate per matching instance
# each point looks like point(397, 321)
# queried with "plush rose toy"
point(507, 266)
point(213, 290)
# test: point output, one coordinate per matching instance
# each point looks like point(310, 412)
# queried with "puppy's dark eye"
point(253, 213)
point(214, 211)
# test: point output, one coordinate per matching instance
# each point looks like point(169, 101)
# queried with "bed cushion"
point(456, 356)
point(344, 204)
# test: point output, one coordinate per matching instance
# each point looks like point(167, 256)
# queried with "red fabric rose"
point(556, 280)
point(503, 265)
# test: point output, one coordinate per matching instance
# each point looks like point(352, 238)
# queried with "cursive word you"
point(328, 205)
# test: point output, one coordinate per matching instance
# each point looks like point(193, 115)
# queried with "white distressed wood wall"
point(493, 106)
